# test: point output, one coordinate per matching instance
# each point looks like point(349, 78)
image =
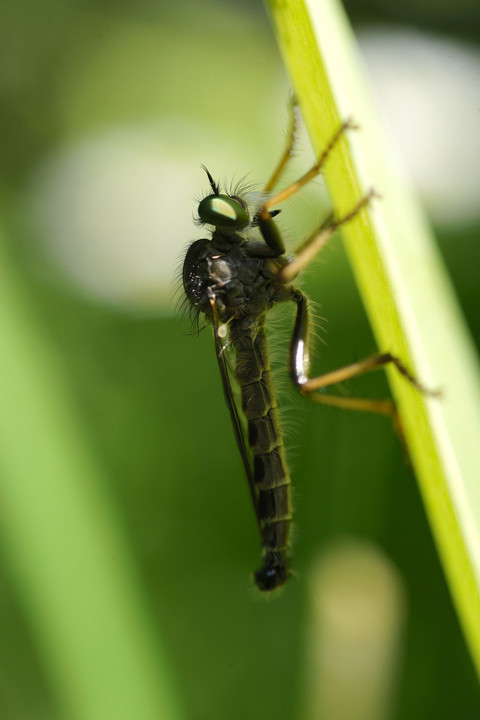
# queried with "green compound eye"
point(223, 211)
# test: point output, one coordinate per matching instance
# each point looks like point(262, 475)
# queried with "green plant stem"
point(406, 292)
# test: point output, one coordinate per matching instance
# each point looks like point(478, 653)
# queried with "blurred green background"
point(108, 111)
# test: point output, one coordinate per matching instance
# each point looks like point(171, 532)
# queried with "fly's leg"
point(299, 356)
point(264, 212)
point(289, 146)
point(317, 241)
point(312, 387)
point(264, 216)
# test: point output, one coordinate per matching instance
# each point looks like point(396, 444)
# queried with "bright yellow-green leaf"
point(405, 289)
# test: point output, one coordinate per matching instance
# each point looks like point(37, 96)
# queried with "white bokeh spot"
point(428, 89)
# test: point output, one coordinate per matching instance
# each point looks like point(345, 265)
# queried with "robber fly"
point(233, 278)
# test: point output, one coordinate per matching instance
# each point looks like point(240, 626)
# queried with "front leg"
point(289, 145)
point(294, 187)
point(264, 216)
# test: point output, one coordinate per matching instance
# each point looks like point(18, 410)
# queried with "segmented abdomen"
point(270, 472)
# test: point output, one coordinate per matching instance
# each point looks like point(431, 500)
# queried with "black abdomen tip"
point(274, 573)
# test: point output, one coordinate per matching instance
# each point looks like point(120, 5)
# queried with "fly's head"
point(206, 272)
point(227, 213)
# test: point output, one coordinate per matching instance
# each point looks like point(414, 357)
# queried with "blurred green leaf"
point(62, 538)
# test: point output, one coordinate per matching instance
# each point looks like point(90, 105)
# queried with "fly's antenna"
point(213, 184)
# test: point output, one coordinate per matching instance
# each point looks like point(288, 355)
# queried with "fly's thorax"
point(240, 284)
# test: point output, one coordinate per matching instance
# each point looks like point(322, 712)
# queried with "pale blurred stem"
point(62, 538)
point(404, 287)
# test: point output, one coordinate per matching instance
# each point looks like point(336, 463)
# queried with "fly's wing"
point(234, 412)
